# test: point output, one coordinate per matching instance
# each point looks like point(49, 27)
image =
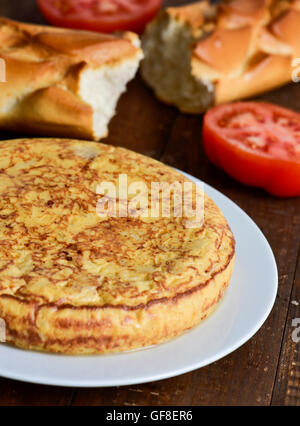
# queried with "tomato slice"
point(100, 15)
point(256, 143)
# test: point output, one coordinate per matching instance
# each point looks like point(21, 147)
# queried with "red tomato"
point(256, 143)
point(100, 15)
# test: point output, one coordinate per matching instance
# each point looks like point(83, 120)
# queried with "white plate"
point(244, 308)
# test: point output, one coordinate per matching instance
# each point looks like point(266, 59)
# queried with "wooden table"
point(266, 370)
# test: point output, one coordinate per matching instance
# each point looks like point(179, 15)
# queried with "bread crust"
point(242, 48)
point(43, 62)
point(74, 283)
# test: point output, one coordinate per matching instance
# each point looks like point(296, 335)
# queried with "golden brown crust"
point(260, 77)
point(83, 45)
point(241, 13)
point(242, 47)
point(42, 60)
point(192, 14)
point(53, 110)
point(214, 49)
point(286, 29)
point(74, 282)
point(251, 48)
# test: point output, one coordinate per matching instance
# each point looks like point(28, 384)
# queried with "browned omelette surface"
point(74, 282)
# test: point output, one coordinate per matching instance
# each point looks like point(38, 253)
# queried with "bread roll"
point(200, 55)
point(62, 82)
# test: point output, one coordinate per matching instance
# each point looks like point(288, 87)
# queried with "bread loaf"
point(63, 82)
point(201, 55)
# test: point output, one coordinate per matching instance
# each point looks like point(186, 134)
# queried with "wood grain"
point(142, 123)
point(24, 10)
point(287, 386)
point(264, 371)
point(15, 393)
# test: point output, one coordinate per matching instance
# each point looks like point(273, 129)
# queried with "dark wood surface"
point(264, 371)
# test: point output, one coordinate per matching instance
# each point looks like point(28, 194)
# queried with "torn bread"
point(63, 82)
point(200, 55)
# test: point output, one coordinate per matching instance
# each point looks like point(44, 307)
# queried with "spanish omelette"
point(75, 282)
